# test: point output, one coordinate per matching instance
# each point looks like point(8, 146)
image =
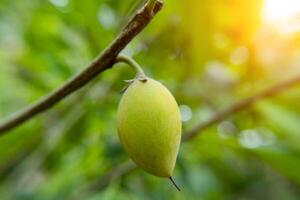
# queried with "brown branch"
point(215, 118)
point(242, 104)
point(103, 62)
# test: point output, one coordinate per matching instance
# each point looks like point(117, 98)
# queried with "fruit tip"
point(176, 186)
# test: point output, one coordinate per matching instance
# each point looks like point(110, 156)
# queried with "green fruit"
point(149, 126)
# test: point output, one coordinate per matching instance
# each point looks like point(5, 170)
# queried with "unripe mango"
point(149, 126)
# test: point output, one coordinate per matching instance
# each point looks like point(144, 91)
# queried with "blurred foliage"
point(209, 53)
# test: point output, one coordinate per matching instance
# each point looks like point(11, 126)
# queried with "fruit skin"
point(149, 126)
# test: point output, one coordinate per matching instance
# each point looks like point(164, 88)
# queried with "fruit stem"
point(128, 60)
point(176, 186)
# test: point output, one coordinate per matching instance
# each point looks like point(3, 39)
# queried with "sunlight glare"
point(280, 10)
point(283, 14)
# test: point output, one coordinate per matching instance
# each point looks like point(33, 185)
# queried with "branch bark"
point(104, 181)
point(103, 62)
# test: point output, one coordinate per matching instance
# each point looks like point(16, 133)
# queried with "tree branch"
point(215, 118)
point(242, 104)
point(103, 62)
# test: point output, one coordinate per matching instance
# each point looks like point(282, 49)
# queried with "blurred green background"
point(209, 53)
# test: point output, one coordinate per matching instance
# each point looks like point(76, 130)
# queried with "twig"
point(103, 62)
point(215, 118)
point(242, 104)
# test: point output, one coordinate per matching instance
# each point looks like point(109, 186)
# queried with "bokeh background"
point(209, 53)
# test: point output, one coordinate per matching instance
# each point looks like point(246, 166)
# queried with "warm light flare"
point(285, 14)
point(280, 10)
